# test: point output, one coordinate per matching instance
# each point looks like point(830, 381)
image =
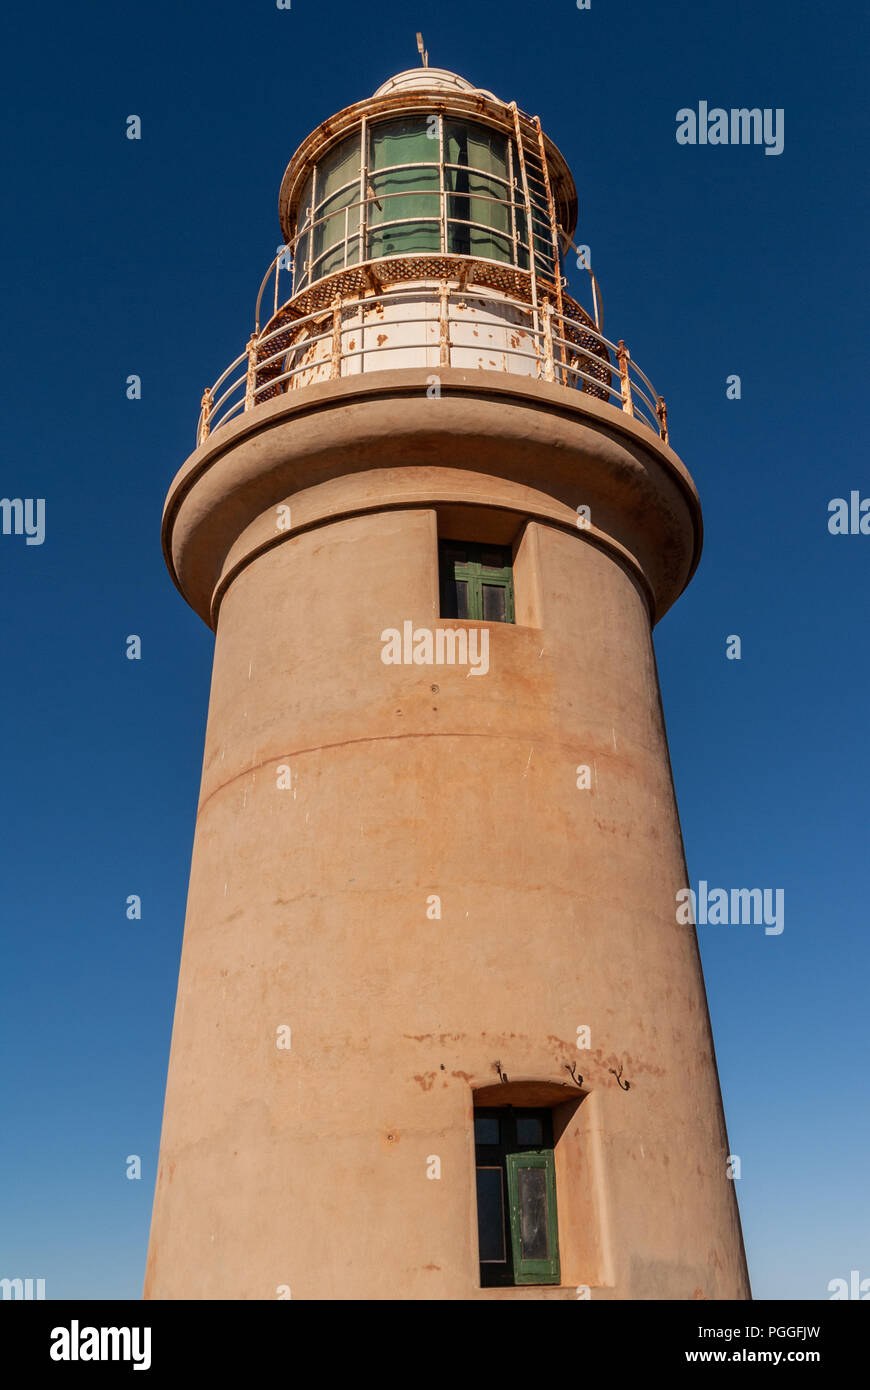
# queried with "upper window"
point(419, 184)
point(518, 1238)
point(476, 581)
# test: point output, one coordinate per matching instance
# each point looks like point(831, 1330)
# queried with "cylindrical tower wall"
point(341, 796)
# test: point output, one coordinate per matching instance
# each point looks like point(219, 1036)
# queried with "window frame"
point(476, 575)
point(509, 1155)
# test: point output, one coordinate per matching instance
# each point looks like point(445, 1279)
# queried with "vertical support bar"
point(309, 264)
point(549, 363)
point(443, 325)
point(335, 371)
point(277, 273)
point(512, 190)
point(251, 374)
point(624, 357)
point(204, 427)
point(442, 185)
point(363, 189)
point(662, 414)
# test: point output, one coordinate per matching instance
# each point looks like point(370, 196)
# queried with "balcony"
point(442, 313)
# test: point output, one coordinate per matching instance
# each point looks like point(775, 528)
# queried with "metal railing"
point(331, 343)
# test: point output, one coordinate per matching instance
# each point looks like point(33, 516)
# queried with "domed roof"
point(429, 79)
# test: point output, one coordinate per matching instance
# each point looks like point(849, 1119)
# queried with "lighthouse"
point(440, 1031)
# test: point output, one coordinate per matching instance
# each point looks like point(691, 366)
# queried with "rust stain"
point(464, 1075)
point(613, 828)
point(426, 1080)
point(431, 1266)
point(382, 338)
point(699, 1293)
point(441, 1037)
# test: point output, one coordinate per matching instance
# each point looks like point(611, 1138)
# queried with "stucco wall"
point(308, 908)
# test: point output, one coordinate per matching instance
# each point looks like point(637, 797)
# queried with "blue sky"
point(145, 257)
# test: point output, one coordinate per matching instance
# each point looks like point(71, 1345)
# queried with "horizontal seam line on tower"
point(381, 738)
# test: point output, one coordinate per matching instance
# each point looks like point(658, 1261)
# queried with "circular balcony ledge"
point(378, 440)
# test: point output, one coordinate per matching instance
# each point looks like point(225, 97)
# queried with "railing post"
point(335, 370)
point(549, 363)
point(204, 426)
point(624, 357)
point(444, 325)
point(251, 374)
point(662, 415)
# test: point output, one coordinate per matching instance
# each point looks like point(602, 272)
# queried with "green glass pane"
point(494, 603)
point(406, 239)
point(337, 168)
point(474, 198)
point(405, 141)
point(332, 230)
point(345, 198)
point(476, 241)
point(406, 193)
point(532, 1200)
point(332, 260)
point(475, 147)
point(300, 269)
point(491, 245)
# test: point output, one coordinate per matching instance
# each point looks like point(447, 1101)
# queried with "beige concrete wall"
point(308, 908)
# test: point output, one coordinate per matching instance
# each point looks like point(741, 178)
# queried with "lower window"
point(516, 1197)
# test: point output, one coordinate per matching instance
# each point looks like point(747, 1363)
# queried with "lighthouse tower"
point(439, 1033)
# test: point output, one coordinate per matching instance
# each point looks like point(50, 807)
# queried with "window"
point(404, 201)
point(518, 1236)
point(476, 581)
point(417, 185)
point(477, 180)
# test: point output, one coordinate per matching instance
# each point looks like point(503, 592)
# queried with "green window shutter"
point(531, 1180)
point(476, 582)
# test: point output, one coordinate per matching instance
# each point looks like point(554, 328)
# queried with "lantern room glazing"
point(417, 184)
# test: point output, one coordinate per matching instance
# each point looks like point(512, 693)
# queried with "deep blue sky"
point(145, 257)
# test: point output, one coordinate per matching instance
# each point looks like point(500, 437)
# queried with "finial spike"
point(422, 51)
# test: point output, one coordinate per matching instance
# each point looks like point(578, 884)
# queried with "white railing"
point(562, 348)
